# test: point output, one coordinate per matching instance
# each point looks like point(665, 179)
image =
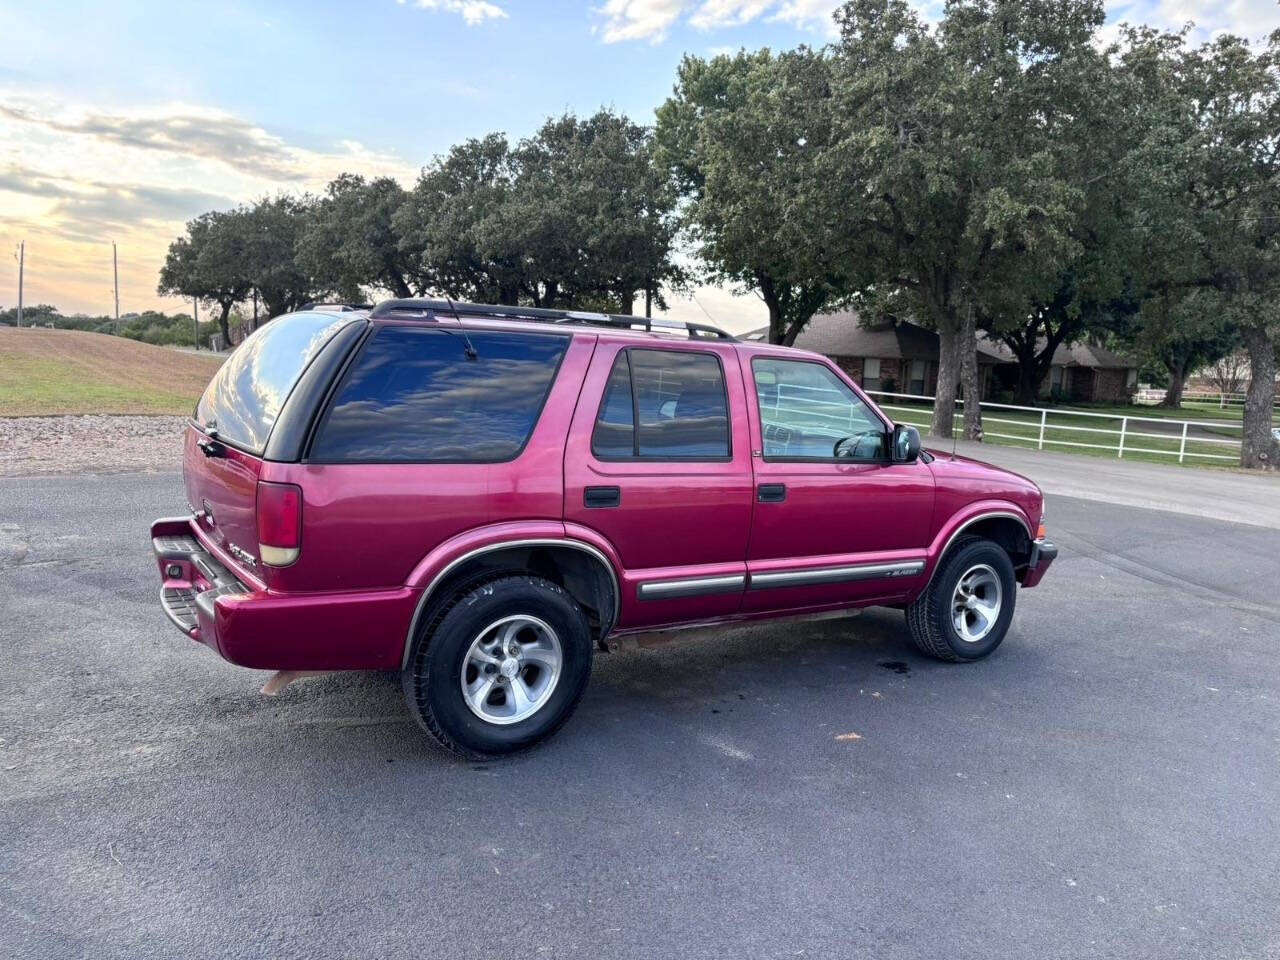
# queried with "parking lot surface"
point(1105, 785)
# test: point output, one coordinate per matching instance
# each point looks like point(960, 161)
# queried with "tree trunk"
point(1029, 376)
point(1258, 449)
point(970, 378)
point(625, 301)
point(398, 286)
point(255, 309)
point(944, 405)
point(223, 326)
point(777, 328)
point(1177, 377)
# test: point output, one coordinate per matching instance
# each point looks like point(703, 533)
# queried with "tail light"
point(279, 523)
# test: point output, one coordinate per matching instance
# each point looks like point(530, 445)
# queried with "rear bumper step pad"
point(183, 603)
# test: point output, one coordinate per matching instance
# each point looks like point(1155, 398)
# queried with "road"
point(1104, 786)
point(1234, 495)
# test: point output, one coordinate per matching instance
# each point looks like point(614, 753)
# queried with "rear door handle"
point(601, 497)
point(771, 493)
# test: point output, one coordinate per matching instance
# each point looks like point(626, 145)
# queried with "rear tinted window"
point(244, 397)
point(412, 396)
point(663, 404)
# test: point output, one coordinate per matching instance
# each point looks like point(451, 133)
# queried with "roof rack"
point(334, 307)
point(431, 307)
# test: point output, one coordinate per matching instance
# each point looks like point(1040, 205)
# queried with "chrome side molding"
point(843, 574)
point(690, 587)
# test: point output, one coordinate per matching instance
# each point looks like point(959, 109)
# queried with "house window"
point(1055, 379)
point(871, 373)
point(915, 381)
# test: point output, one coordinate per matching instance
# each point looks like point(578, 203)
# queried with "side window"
point(663, 405)
point(806, 410)
point(413, 396)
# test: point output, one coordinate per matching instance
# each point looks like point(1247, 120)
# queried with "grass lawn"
point(1148, 439)
point(45, 372)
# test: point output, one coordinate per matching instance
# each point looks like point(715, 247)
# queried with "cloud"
point(472, 11)
point(651, 19)
point(203, 133)
point(73, 178)
point(1251, 19)
point(638, 19)
point(198, 133)
point(727, 13)
point(91, 209)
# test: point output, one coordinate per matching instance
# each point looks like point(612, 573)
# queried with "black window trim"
point(638, 457)
point(887, 458)
point(353, 360)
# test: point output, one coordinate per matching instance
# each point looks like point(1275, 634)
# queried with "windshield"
point(245, 396)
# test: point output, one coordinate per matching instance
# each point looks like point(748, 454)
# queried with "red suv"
point(478, 496)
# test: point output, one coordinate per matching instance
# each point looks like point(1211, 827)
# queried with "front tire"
point(500, 667)
point(965, 611)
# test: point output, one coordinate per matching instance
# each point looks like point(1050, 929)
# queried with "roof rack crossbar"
point(545, 315)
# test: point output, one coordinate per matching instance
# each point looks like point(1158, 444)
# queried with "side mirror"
point(906, 443)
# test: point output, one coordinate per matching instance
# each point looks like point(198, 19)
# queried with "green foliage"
point(151, 326)
point(576, 215)
point(349, 240)
point(750, 141)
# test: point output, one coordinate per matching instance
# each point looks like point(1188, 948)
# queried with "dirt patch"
point(90, 444)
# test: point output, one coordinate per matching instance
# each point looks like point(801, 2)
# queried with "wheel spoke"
point(519, 695)
point(544, 657)
point(479, 692)
point(479, 655)
point(507, 634)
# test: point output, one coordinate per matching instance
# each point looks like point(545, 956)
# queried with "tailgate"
point(222, 492)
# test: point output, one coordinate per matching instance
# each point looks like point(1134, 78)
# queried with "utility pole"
point(195, 319)
point(115, 272)
point(22, 259)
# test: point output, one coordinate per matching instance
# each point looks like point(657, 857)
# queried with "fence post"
point(1044, 414)
point(1124, 427)
point(1182, 450)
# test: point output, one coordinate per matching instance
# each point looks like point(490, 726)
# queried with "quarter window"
point(245, 396)
point(806, 412)
point(663, 405)
point(414, 396)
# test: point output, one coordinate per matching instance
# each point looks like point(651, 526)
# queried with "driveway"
point(1104, 786)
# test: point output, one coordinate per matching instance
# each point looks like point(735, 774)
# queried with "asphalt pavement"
point(1105, 785)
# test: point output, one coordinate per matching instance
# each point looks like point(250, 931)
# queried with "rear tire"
point(965, 611)
point(500, 667)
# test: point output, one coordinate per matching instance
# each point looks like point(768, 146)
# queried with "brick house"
point(897, 356)
point(894, 355)
point(1089, 374)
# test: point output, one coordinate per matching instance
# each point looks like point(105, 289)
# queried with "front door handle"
point(771, 493)
point(601, 496)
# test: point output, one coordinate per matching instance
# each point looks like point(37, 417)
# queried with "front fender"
point(966, 517)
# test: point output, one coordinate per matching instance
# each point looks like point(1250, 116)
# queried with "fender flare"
point(974, 513)
point(476, 543)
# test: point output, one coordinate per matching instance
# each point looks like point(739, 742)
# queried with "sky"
point(119, 121)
